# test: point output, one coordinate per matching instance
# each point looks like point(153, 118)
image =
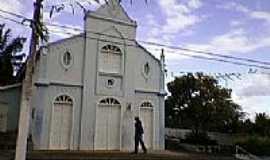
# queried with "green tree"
point(197, 102)
point(10, 55)
point(262, 122)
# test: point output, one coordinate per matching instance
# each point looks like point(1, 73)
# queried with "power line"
point(156, 44)
point(220, 76)
point(169, 46)
point(10, 19)
point(222, 60)
point(182, 54)
point(14, 14)
point(160, 45)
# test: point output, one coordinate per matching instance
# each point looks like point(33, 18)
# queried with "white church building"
point(89, 88)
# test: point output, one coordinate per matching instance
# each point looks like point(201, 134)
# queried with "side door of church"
point(61, 126)
point(146, 116)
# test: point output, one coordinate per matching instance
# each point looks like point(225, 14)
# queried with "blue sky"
point(239, 28)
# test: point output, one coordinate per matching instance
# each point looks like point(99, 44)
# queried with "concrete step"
point(114, 155)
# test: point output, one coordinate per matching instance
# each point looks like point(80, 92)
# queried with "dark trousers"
point(138, 139)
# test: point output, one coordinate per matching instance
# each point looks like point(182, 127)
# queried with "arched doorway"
point(146, 116)
point(108, 117)
point(61, 123)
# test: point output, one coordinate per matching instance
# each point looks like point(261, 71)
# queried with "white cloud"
point(250, 87)
point(11, 5)
point(178, 15)
point(261, 15)
point(252, 93)
point(235, 41)
point(253, 14)
point(236, 23)
point(234, 6)
point(253, 105)
point(195, 4)
point(178, 18)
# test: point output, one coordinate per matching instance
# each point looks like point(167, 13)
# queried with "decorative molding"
point(146, 91)
point(63, 84)
point(10, 86)
point(162, 94)
point(65, 90)
point(150, 92)
point(111, 74)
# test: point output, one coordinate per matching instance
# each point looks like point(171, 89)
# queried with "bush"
point(200, 138)
point(256, 145)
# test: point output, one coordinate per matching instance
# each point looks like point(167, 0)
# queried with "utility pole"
point(27, 87)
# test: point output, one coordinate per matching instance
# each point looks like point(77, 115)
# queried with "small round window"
point(110, 83)
point(67, 59)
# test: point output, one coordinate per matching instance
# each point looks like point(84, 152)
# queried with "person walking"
point(139, 135)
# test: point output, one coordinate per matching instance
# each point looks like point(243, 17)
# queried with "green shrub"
point(200, 138)
point(256, 145)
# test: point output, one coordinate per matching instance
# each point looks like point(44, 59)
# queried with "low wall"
point(221, 138)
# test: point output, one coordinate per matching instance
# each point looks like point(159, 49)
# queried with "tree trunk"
point(24, 121)
point(27, 86)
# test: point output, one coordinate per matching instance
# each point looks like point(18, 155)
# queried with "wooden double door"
point(61, 125)
point(107, 134)
point(146, 116)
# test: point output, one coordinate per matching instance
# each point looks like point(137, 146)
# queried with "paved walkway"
point(116, 155)
point(113, 155)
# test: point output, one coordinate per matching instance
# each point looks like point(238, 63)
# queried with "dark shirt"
point(138, 128)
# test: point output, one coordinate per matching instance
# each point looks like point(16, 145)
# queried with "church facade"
point(89, 88)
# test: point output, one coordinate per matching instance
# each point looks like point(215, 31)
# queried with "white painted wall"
point(85, 84)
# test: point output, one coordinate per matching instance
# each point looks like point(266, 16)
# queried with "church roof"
point(112, 11)
point(144, 49)
point(62, 40)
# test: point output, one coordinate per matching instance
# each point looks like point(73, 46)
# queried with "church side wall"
point(44, 104)
point(150, 82)
point(59, 72)
point(54, 78)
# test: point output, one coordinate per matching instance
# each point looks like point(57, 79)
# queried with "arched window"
point(109, 101)
point(146, 105)
point(63, 99)
point(110, 59)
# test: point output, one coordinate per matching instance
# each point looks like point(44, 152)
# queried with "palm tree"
point(10, 56)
